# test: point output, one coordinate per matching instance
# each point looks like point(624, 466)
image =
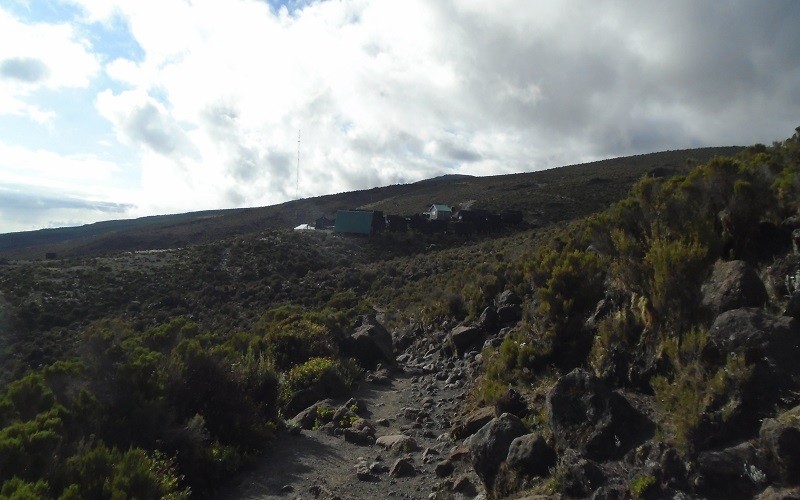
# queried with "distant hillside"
point(543, 197)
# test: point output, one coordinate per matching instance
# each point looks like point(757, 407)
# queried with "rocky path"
point(409, 455)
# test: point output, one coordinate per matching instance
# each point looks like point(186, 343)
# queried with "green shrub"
point(621, 330)
point(307, 374)
point(675, 267)
point(102, 472)
point(30, 449)
point(641, 485)
point(693, 390)
point(18, 489)
point(573, 287)
point(29, 396)
point(316, 370)
point(295, 340)
point(517, 362)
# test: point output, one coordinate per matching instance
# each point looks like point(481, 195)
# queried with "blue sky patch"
point(44, 11)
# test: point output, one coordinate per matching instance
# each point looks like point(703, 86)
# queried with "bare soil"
point(319, 465)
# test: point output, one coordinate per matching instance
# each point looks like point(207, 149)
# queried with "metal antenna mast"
point(297, 188)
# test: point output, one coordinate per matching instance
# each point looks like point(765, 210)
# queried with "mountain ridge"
point(525, 191)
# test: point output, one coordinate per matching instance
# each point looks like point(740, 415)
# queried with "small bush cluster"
point(187, 407)
point(515, 363)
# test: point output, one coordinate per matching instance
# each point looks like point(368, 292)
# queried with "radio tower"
point(297, 188)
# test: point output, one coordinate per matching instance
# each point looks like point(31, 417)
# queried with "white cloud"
point(40, 56)
point(388, 91)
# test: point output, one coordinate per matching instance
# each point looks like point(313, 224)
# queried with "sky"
point(114, 109)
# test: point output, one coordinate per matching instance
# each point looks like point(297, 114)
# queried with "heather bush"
point(296, 340)
point(315, 371)
point(619, 331)
point(686, 397)
point(102, 472)
point(516, 363)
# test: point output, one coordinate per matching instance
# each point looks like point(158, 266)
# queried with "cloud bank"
point(385, 92)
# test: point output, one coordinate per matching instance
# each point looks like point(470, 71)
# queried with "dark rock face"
point(488, 319)
point(308, 417)
point(673, 470)
point(587, 416)
point(509, 307)
point(531, 455)
point(780, 441)
point(581, 477)
point(511, 402)
point(489, 446)
point(403, 467)
point(733, 285)
point(756, 334)
point(370, 344)
point(470, 424)
point(775, 493)
point(444, 468)
point(770, 346)
point(793, 306)
point(463, 337)
point(729, 473)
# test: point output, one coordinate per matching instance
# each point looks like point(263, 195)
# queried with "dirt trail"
point(419, 402)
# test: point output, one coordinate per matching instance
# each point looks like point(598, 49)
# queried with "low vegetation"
point(620, 291)
point(159, 374)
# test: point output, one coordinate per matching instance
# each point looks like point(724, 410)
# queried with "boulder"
point(780, 441)
point(470, 424)
point(508, 298)
point(398, 443)
point(370, 344)
point(769, 345)
point(463, 485)
point(581, 477)
point(403, 467)
point(756, 334)
point(362, 471)
point(487, 320)
point(793, 306)
point(509, 307)
point(776, 493)
point(729, 473)
point(463, 338)
point(733, 285)
point(309, 417)
point(444, 468)
point(489, 446)
point(360, 437)
point(587, 416)
point(511, 402)
point(531, 455)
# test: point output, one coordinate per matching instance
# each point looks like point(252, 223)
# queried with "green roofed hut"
point(439, 211)
point(358, 222)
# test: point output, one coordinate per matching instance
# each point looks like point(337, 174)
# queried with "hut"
point(440, 212)
point(358, 222)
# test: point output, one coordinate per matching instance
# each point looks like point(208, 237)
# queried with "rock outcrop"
point(370, 344)
point(531, 455)
point(489, 446)
point(587, 416)
point(780, 440)
point(733, 285)
point(769, 346)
